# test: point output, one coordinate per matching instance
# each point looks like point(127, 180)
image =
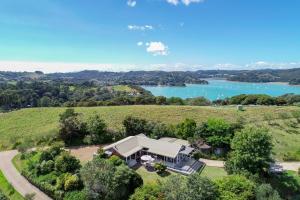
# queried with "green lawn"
point(151, 177)
point(7, 189)
point(213, 172)
point(35, 124)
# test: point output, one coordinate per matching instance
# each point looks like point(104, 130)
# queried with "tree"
point(134, 126)
point(266, 192)
point(216, 133)
point(147, 192)
point(69, 112)
point(236, 187)
point(200, 188)
point(72, 129)
point(66, 163)
point(125, 182)
point(97, 130)
point(186, 128)
point(105, 181)
point(190, 188)
point(252, 148)
point(174, 188)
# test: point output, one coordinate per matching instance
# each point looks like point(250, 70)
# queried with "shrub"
point(115, 160)
point(299, 171)
point(46, 166)
point(66, 163)
point(76, 195)
point(2, 196)
point(266, 192)
point(72, 183)
point(101, 153)
point(160, 167)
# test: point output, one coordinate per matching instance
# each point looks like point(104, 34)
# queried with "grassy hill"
point(36, 123)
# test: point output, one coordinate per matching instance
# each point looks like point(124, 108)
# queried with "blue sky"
point(122, 35)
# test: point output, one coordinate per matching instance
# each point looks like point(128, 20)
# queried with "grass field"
point(7, 189)
point(36, 123)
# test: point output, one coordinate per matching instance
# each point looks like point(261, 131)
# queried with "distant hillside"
point(178, 78)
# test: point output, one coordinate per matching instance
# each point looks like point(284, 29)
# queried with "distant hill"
point(176, 78)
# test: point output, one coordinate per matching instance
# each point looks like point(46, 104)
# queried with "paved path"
point(294, 166)
point(16, 179)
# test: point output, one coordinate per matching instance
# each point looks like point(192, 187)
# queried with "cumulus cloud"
point(131, 3)
point(185, 2)
point(140, 28)
point(157, 48)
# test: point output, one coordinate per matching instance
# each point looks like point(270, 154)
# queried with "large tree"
point(97, 130)
point(134, 126)
point(236, 187)
point(186, 128)
point(216, 132)
point(105, 181)
point(252, 148)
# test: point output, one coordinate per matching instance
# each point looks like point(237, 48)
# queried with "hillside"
point(36, 123)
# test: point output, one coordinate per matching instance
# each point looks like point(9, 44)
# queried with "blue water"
point(220, 89)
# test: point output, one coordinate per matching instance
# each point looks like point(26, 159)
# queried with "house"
point(174, 155)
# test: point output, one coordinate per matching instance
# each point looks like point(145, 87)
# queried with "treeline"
point(55, 93)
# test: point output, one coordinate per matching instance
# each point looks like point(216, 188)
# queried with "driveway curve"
point(21, 184)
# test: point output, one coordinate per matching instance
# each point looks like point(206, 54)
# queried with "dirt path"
point(16, 179)
point(293, 166)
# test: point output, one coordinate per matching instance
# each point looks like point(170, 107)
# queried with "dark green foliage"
point(115, 160)
point(2, 196)
point(198, 101)
point(175, 101)
point(266, 192)
point(46, 166)
point(216, 132)
point(200, 188)
point(105, 181)
point(236, 187)
point(75, 195)
point(186, 129)
point(252, 148)
point(66, 163)
point(134, 126)
point(160, 167)
point(147, 192)
point(97, 130)
point(189, 188)
point(72, 127)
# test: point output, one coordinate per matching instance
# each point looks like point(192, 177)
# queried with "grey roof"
point(187, 150)
point(133, 144)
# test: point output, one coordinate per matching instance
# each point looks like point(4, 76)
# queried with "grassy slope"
point(213, 173)
point(8, 190)
point(35, 123)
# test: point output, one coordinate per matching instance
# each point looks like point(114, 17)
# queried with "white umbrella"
point(147, 158)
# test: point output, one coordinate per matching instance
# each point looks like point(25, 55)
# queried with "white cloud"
point(131, 3)
point(185, 2)
point(140, 43)
point(157, 48)
point(140, 28)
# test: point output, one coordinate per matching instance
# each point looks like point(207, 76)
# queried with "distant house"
point(175, 155)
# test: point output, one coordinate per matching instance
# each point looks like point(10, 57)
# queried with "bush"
point(76, 195)
point(46, 166)
point(2, 196)
point(299, 171)
point(160, 167)
point(115, 160)
point(66, 163)
point(266, 192)
point(68, 182)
